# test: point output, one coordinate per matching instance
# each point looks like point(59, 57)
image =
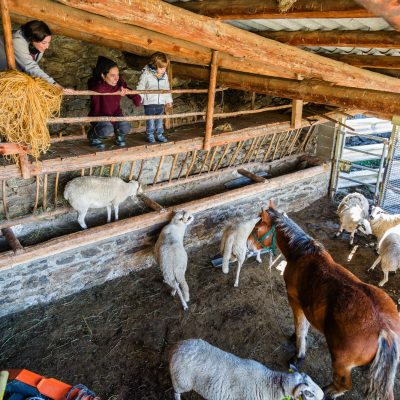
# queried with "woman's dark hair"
point(35, 31)
point(103, 67)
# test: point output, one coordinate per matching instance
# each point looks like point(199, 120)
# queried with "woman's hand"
point(123, 91)
point(168, 105)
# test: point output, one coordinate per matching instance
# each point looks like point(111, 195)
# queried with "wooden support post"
point(168, 110)
point(297, 109)
point(250, 175)
point(12, 240)
point(297, 113)
point(211, 100)
point(7, 32)
point(151, 203)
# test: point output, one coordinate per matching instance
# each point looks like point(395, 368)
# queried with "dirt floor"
point(115, 338)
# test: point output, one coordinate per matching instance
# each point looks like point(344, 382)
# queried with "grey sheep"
point(88, 192)
point(171, 255)
point(217, 375)
point(353, 214)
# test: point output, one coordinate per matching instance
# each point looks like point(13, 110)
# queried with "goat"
point(171, 255)
point(217, 375)
point(234, 245)
point(88, 192)
point(381, 221)
point(353, 214)
point(389, 253)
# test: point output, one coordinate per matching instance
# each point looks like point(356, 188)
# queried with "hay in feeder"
point(285, 5)
point(26, 104)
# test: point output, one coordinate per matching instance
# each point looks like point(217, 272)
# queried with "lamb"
point(97, 192)
point(353, 214)
point(389, 253)
point(234, 245)
point(381, 221)
point(171, 255)
point(218, 375)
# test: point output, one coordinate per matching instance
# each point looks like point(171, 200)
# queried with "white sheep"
point(381, 221)
point(218, 375)
point(389, 253)
point(88, 192)
point(353, 214)
point(234, 245)
point(171, 255)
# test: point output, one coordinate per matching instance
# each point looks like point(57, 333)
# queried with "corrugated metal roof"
point(320, 24)
point(312, 24)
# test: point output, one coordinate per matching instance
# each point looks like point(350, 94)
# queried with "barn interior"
point(290, 100)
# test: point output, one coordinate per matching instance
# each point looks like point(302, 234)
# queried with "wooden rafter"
point(165, 18)
point(380, 102)
point(106, 32)
point(255, 9)
point(336, 38)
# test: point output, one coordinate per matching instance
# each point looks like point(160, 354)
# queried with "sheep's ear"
point(272, 205)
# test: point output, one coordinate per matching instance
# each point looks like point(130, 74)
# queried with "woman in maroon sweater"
point(106, 79)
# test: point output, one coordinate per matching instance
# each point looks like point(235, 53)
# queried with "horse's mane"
point(299, 242)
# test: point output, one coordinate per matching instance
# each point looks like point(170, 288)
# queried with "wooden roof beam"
point(388, 10)
point(375, 101)
point(356, 38)
point(164, 18)
point(82, 25)
point(268, 9)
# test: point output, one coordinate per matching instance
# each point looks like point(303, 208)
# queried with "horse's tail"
point(227, 252)
point(383, 369)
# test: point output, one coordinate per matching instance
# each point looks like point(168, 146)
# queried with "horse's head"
point(269, 215)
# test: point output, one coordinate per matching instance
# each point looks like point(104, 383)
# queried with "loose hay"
point(285, 5)
point(26, 104)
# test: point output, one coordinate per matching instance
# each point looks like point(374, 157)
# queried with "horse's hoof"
point(330, 392)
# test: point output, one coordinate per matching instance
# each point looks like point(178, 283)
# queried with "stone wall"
point(64, 274)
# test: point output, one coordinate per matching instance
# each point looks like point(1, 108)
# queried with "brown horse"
point(360, 322)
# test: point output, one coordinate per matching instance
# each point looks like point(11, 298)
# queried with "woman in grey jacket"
point(30, 42)
point(154, 77)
